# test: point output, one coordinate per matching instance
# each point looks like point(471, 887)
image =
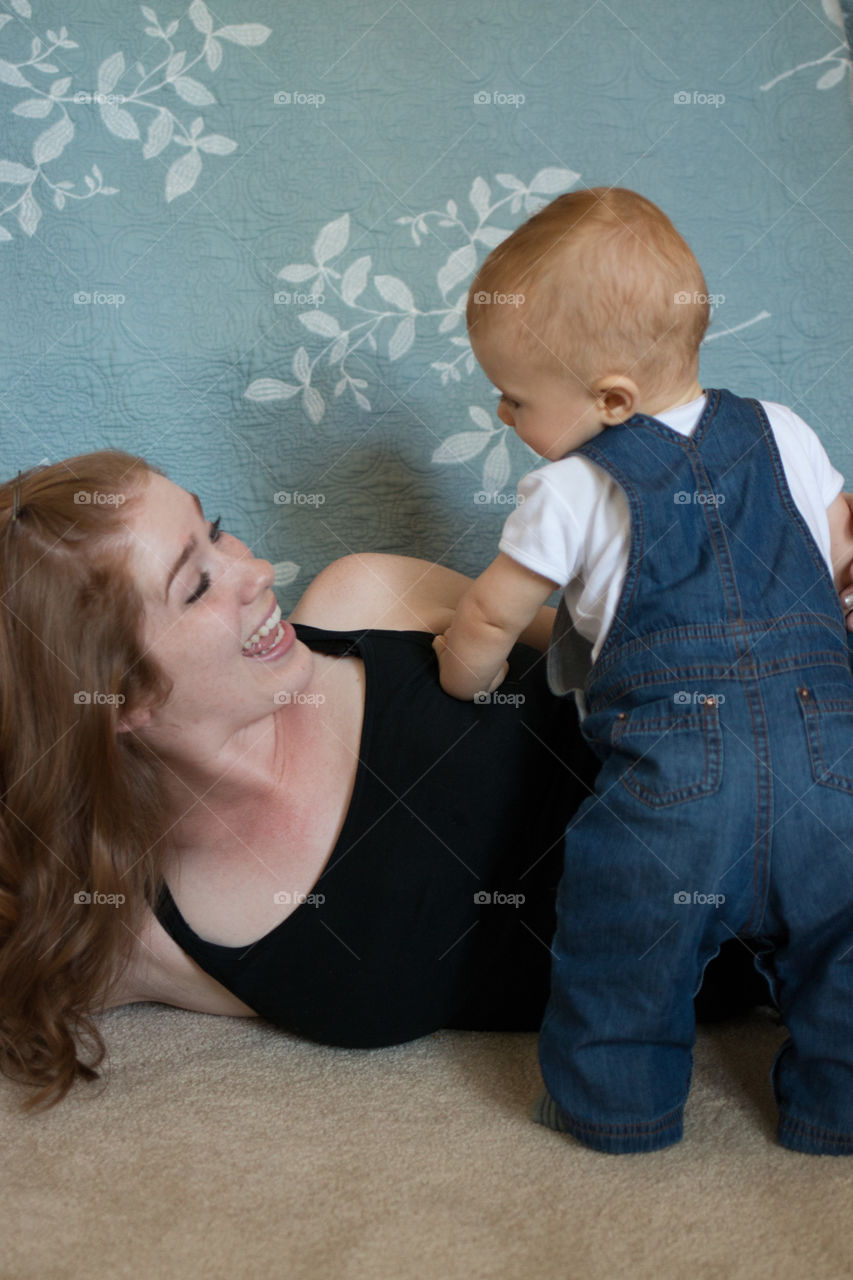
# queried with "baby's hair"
point(597, 282)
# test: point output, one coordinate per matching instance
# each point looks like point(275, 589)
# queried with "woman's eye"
point(215, 534)
point(513, 404)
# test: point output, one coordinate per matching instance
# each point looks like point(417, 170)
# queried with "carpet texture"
point(222, 1147)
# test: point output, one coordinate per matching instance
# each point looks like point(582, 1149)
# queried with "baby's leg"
point(637, 923)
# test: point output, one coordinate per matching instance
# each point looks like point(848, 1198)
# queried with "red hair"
point(82, 806)
point(608, 286)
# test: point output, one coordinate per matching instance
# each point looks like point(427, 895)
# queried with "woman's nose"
point(255, 573)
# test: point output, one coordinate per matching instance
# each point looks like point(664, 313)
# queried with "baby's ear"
point(619, 397)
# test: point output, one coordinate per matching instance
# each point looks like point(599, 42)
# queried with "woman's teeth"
point(255, 646)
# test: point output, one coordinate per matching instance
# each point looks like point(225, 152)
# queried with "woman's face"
point(206, 594)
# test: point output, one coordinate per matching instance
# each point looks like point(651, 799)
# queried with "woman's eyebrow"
point(185, 554)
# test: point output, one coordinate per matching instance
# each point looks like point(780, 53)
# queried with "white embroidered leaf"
point(509, 181)
point(199, 15)
point(496, 469)
point(358, 382)
point(182, 175)
point(52, 142)
point(457, 268)
point(171, 29)
point(59, 87)
point(460, 448)
point(196, 126)
point(491, 236)
point(552, 180)
point(29, 213)
point(402, 338)
point(248, 33)
point(193, 91)
point(480, 196)
point(4, 234)
point(338, 352)
point(481, 418)
point(460, 342)
point(148, 13)
point(213, 54)
point(18, 174)
point(451, 208)
point(832, 9)
point(449, 322)
point(395, 291)
point(110, 72)
point(371, 341)
point(832, 76)
point(269, 389)
point(301, 365)
point(217, 144)
point(296, 272)
point(34, 107)
point(361, 400)
point(159, 134)
point(469, 362)
point(355, 279)
point(313, 403)
point(47, 67)
point(11, 75)
point(119, 121)
point(59, 199)
point(285, 572)
point(332, 240)
point(22, 7)
point(175, 63)
point(340, 387)
point(319, 322)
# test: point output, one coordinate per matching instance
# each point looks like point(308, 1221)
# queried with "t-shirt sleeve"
point(546, 531)
point(828, 480)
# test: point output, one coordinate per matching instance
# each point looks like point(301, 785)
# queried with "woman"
point(335, 844)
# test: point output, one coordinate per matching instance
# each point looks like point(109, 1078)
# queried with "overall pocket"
point(670, 753)
point(828, 716)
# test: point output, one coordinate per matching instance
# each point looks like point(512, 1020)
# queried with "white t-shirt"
point(573, 524)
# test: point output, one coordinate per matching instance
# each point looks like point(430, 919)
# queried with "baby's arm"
point(840, 516)
point(489, 618)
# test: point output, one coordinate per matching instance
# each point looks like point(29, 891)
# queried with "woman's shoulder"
point(395, 593)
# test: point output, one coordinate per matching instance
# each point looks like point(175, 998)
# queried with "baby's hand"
point(439, 645)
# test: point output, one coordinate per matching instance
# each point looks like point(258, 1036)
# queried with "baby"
point(693, 534)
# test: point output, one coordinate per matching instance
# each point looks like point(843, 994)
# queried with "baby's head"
point(589, 312)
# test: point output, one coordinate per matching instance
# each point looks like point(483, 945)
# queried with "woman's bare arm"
point(396, 593)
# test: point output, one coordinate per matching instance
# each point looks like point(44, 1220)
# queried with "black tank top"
point(439, 897)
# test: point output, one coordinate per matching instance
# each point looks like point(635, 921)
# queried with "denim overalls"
point(721, 707)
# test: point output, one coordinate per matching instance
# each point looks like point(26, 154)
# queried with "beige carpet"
point(223, 1148)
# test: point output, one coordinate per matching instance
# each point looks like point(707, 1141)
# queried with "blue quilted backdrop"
point(236, 237)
